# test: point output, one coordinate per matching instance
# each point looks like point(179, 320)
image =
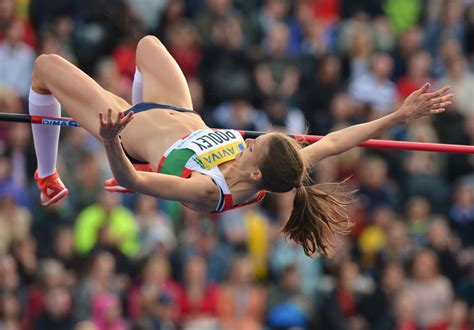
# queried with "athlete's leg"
point(55, 79)
point(78, 93)
point(163, 80)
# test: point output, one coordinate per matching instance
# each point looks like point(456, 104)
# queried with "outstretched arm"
point(416, 105)
point(154, 184)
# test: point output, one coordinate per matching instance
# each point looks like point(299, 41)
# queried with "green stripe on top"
point(175, 161)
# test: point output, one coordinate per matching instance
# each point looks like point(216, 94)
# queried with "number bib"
point(212, 148)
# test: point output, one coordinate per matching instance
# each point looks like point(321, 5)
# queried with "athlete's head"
point(318, 215)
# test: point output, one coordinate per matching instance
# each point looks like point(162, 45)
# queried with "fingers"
point(109, 116)
point(445, 98)
point(423, 89)
point(440, 92)
point(128, 118)
point(101, 118)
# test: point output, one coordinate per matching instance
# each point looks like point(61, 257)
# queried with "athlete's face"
point(249, 158)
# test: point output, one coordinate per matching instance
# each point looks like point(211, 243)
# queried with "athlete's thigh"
point(82, 98)
point(163, 80)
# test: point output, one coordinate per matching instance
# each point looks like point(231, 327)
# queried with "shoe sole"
point(118, 189)
point(55, 199)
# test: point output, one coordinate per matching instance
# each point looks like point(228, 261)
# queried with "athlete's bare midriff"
point(152, 132)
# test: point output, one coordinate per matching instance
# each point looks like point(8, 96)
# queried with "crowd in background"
point(109, 262)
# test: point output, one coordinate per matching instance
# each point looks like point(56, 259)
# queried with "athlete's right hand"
point(110, 129)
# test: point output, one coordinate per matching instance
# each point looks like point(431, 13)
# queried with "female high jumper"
point(170, 153)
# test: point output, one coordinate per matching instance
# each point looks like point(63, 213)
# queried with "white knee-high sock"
point(45, 138)
point(137, 88)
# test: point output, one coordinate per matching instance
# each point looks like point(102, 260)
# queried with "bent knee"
point(149, 41)
point(43, 68)
point(43, 62)
point(148, 46)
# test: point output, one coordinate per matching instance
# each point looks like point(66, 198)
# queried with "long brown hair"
point(319, 215)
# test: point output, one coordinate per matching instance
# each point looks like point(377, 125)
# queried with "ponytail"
point(319, 217)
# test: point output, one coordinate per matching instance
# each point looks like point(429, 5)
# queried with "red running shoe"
point(52, 189)
point(111, 185)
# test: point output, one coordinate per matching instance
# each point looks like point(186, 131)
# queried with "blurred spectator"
point(109, 222)
point(417, 212)
point(462, 84)
point(51, 276)
point(277, 72)
point(240, 114)
point(360, 8)
point(375, 88)
point(106, 312)
point(21, 154)
point(16, 60)
point(398, 248)
point(374, 186)
point(148, 11)
point(422, 170)
point(284, 117)
point(449, 24)
point(15, 222)
point(209, 16)
point(199, 105)
point(470, 30)
point(311, 31)
point(183, 45)
point(124, 57)
point(459, 316)
point(86, 185)
point(10, 311)
point(162, 315)
point(356, 43)
point(286, 305)
point(57, 311)
point(418, 73)
point(449, 49)
point(409, 43)
point(197, 300)
point(403, 14)
point(107, 74)
point(98, 279)
point(155, 227)
point(372, 238)
point(172, 13)
point(24, 252)
point(461, 212)
point(432, 292)
point(9, 15)
point(204, 241)
point(246, 230)
point(8, 186)
point(378, 306)
point(465, 289)
point(155, 280)
point(241, 301)
point(404, 312)
point(10, 281)
point(440, 240)
point(284, 254)
point(63, 251)
point(345, 299)
point(226, 70)
point(320, 93)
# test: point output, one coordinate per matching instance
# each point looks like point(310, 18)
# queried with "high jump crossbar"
point(373, 143)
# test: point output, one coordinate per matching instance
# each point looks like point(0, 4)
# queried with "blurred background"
point(110, 262)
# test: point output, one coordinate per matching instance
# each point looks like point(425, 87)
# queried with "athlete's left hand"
point(420, 103)
point(110, 129)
